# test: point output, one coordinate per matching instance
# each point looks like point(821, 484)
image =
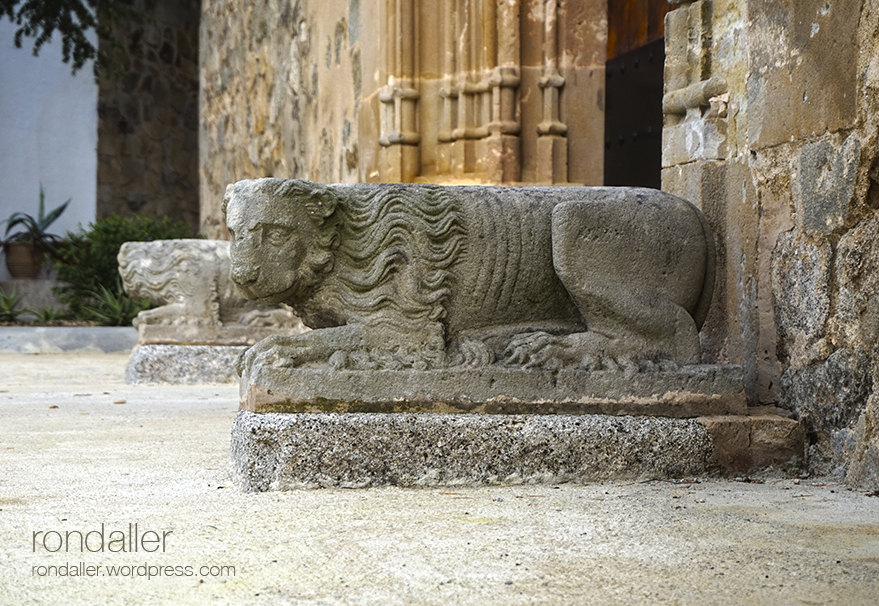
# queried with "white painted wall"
point(48, 134)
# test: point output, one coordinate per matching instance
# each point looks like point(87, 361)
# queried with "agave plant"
point(34, 229)
point(9, 309)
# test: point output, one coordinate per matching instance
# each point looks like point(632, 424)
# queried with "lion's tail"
point(700, 311)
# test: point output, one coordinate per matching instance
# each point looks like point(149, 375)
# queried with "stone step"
point(278, 451)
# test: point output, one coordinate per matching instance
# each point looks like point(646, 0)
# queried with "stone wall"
point(772, 110)
point(416, 90)
point(148, 117)
point(280, 83)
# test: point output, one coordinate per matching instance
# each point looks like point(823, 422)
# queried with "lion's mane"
point(391, 251)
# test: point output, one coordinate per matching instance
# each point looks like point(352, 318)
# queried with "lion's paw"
point(279, 351)
point(539, 350)
point(587, 351)
point(474, 354)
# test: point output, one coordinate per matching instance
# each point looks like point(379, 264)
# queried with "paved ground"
point(82, 451)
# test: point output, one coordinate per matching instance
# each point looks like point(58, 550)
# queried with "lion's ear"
point(320, 204)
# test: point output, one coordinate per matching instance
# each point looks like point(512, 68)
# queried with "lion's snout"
point(244, 276)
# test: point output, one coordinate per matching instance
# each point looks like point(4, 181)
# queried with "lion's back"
point(506, 271)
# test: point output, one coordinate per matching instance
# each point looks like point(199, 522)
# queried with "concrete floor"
point(80, 449)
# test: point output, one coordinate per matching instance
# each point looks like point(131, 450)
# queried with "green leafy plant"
point(9, 310)
point(48, 314)
point(114, 307)
point(87, 265)
point(35, 229)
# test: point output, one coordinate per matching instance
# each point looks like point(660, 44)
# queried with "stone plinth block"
point(284, 451)
point(276, 451)
point(182, 364)
point(688, 392)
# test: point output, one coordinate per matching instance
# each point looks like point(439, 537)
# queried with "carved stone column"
point(400, 155)
point(449, 90)
point(465, 133)
point(503, 147)
point(552, 145)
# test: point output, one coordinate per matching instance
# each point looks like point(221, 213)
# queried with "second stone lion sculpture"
point(397, 276)
point(189, 281)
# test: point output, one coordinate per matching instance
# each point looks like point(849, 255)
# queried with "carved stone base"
point(689, 392)
point(182, 364)
point(284, 451)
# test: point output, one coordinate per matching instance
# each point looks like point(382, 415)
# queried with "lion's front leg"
point(292, 351)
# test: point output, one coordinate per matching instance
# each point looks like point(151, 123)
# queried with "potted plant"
point(26, 247)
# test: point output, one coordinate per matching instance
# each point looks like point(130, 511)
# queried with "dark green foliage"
point(88, 265)
point(72, 19)
point(48, 315)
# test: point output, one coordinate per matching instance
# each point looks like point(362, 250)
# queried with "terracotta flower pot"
point(23, 259)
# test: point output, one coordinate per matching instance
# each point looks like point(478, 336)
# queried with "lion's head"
point(280, 244)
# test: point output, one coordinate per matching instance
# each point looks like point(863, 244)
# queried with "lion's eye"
point(275, 235)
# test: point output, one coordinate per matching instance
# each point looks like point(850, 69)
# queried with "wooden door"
point(633, 92)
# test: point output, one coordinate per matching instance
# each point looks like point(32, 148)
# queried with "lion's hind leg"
point(634, 263)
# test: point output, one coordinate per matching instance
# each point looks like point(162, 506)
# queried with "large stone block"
point(802, 291)
point(182, 364)
point(857, 272)
point(828, 397)
point(691, 391)
point(694, 140)
point(863, 456)
point(825, 184)
point(278, 452)
point(284, 451)
point(802, 79)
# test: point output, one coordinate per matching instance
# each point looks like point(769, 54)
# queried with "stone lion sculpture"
point(189, 280)
point(397, 276)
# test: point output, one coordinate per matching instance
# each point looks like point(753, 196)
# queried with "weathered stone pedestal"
point(688, 392)
point(276, 451)
point(283, 451)
point(190, 354)
point(182, 364)
point(416, 428)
